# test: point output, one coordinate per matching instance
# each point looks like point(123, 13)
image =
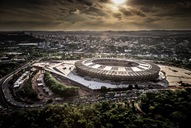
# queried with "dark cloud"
point(95, 14)
point(131, 12)
point(137, 12)
point(95, 11)
point(117, 15)
point(85, 2)
point(126, 12)
point(165, 7)
point(156, 2)
point(178, 10)
point(151, 20)
point(23, 25)
point(23, 3)
point(146, 9)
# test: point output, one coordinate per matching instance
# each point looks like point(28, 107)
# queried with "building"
point(118, 69)
point(21, 79)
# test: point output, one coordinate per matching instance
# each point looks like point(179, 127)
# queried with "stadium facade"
point(118, 69)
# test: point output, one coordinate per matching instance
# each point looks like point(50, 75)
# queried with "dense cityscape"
point(159, 45)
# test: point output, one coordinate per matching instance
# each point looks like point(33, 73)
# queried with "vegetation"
point(7, 68)
point(176, 63)
point(29, 92)
point(173, 107)
point(168, 109)
point(104, 89)
point(17, 37)
point(16, 76)
point(25, 91)
point(184, 84)
point(59, 88)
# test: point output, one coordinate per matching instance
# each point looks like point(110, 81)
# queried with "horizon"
point(95, 30)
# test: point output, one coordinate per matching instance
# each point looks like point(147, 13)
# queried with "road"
point(5, 95)
point(3, 102)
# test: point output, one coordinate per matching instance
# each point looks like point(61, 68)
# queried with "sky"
point(94, 14)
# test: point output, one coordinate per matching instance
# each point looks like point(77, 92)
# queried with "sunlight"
point(118, 2)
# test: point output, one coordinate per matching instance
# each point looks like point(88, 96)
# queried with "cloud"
point(126, 13)
point(76, 11)
point(95, 11)
point(95, 14)
point(118, 15)
point(156, 2)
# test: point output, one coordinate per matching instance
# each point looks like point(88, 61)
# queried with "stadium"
point(118, 69)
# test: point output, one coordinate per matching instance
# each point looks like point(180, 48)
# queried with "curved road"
point(5, 100)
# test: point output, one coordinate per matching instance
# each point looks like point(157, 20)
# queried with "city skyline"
point(96, 15)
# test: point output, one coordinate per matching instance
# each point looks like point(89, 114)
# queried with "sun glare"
point(118, 2)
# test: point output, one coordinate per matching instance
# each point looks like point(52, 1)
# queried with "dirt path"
point(41, 94)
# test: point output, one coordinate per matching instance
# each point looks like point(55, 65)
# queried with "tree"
point(136, 86)
point(103, 89)
point(49, 101)
point(130, 87)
